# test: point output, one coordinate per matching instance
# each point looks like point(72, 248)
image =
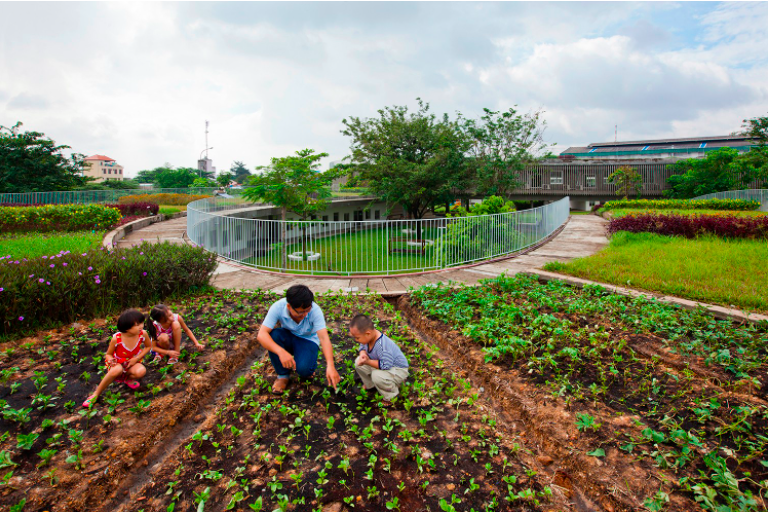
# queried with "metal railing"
point(114, 195)
point(756, 194)
point(93, 196)
point(366, 247)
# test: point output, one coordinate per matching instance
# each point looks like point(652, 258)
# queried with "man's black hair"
point(362, 323)
point(299, 296)
point(128, 319)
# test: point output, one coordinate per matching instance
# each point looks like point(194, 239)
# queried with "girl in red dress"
point(126, 350)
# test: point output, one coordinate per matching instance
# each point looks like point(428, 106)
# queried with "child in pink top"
point(126, 350)
point(164, 327)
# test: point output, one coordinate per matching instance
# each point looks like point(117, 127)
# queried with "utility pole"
point(206, 139)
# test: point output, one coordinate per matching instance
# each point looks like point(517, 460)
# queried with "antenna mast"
point(206, 140)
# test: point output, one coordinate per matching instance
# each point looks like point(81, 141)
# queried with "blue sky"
point(136, 81)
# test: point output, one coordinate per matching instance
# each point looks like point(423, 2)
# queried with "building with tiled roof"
point(691, 147)
point(102, 168)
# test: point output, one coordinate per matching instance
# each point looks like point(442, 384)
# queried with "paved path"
point(582, 236)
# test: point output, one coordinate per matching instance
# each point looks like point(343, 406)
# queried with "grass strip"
point(707, 269)
point(35, 245)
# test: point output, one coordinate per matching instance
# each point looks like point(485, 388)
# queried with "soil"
point(620, 480)
point(436, 442)
point(225, 322)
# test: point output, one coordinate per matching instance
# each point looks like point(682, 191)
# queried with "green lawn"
point(708, 269)
point(171, 209)
point(621, 213)
point(371, 251)
point(35, 245)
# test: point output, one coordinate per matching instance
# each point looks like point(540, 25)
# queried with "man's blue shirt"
point(307, 328)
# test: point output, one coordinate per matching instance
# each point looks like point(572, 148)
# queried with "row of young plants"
point(726, 226)
point(64, 287)
point(319, 449)
point(49, 443)
point(692, 386)
point(682, 204)
point(68, 217)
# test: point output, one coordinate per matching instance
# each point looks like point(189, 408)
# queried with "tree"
point(111, 184)
point(182, 177)
point(203, 183)
point(292, 183)
point(626, 180)
point(757, 128)
point(31, 162)
point(224, 179)
point(240, 171)
point(503, 144)
point(721, 170)
point(414, 160)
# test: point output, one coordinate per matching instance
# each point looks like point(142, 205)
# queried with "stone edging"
point(537, 245)
point(119, 233)
point(720, 312)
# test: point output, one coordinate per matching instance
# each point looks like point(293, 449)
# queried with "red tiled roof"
point(100, 157)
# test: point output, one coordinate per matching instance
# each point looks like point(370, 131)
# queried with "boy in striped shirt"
point(381, 363)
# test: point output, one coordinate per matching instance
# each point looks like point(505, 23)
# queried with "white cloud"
point(136, 81)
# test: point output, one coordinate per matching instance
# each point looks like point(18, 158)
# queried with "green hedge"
point(66, 217)
point(682, 204)
point(65, 287)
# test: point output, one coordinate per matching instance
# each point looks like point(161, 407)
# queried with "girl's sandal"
point(158, 358)
point(173, 360)
point(133, 384)
point(91, 400)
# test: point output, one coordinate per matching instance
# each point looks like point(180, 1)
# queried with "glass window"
point(590, 181)
point(367, 214)
point(335, 216)
point(325, 218)
point(556, 178)
point(346, 217)
point(376, 214)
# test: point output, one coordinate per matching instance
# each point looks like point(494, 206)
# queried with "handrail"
point(365, 247)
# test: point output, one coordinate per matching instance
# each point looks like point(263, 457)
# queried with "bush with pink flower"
point(64, 287)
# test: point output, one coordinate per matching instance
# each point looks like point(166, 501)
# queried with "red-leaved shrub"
point(137, 209)
point(726, 226)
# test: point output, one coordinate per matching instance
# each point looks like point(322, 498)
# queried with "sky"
point(137, 81)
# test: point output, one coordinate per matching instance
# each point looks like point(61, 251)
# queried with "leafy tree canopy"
point(757, 128)
point(293, 183)
point(721, 170)
point(240, 172)
point(503, 144)
point(489, 206)
point(168, 177)
point(203, 183)
point(31, 162)
point(412, 159)
point(626, 179)
point(111, 184)
point(225, 178)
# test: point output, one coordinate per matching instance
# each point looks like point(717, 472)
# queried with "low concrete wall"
point(119, 233)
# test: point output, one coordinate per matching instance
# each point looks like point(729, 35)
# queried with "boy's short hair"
point(128, 319)
point(362, 323)
point(299, 296)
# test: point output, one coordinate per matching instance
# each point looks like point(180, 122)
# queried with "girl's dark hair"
point(299, 296)
point(128, 319)
point(157, 314)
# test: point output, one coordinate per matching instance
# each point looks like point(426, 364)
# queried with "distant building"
point(206, 165)
point(662, 149)
point(102, 168)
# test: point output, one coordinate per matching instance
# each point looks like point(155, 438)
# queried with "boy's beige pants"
point(387, 382)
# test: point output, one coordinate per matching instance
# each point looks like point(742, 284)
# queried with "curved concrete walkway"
point(582, 236)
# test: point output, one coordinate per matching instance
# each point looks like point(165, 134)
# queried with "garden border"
point(111, 238)
point(719, 312)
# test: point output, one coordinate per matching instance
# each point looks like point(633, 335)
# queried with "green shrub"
point(169, 199)
point(67, 286)
point(683, 204)
point(67, 217)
